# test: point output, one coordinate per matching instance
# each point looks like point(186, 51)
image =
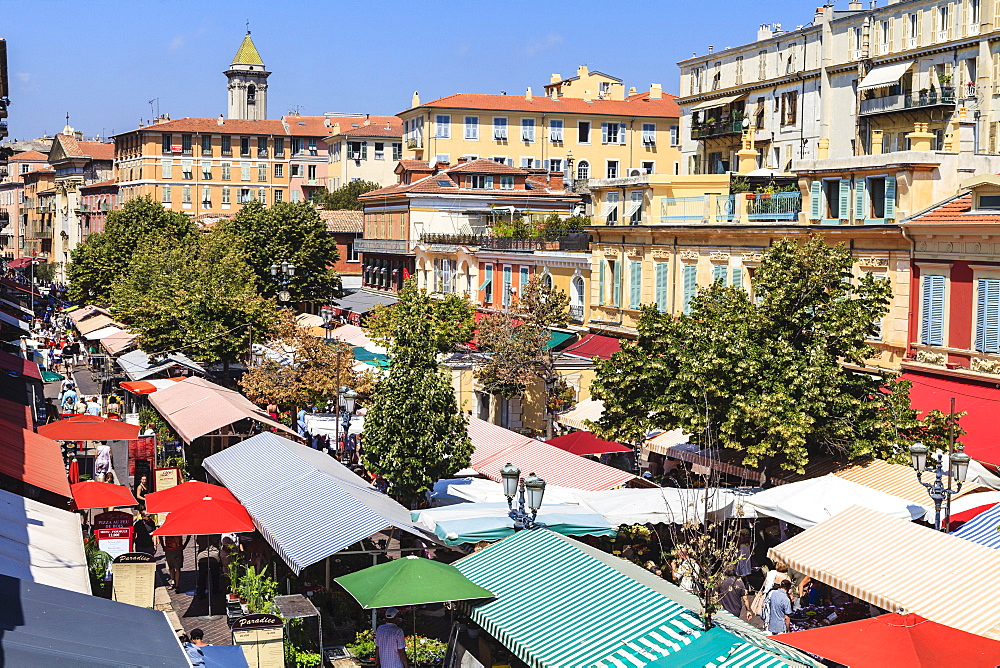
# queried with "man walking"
point(390, 643)
point(779, 607)
point(173, 549)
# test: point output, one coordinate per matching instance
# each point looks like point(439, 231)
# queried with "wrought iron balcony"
point(716, 129)
point(576, 313)
point(579, 241)
point(893, 103)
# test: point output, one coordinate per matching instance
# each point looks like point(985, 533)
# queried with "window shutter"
point(601, 287)
point(890, 197)
point(661, 287)
point(604, 133)
point(616, 298)
point(690, 285)
point(859, 199)
point(621, 133)
point(815, 200)
point(845, 198)
point(988, 315)
point(737, 277)
point(524, 278)
point(932, 311)
point(635, 285)
point(364, 150)
point(719, 272)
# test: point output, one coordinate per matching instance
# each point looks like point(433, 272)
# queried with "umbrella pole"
point(208, 562)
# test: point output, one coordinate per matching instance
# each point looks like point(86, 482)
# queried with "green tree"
point(443, 322)
point(764, 377)
point(287, 231)
point(345, 197)
point(103, 258)
point(194, 294)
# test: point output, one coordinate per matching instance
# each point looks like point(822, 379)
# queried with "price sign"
point(166, 478)
point(113, 519)
point(133, 576)
point(261, 637)
point(115, 542)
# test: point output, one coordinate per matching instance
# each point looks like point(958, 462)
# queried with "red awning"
point(15, 364)
point(594, 345)
point(148, 386)
point(20, 263)
point(585, 443)
point(89, 428)
point(896, 641)
point(32, 459)
point(982, 404)
point(94, 494)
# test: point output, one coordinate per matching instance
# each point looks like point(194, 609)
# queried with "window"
point(262, 172)
point(206, 145)
point(167, 146)
point(279, 195)
point(720, 273)
point(555, 131)
point(279, 147)
point(612, 133)
point(166, 195)
point(790, 59)
point(836, 194)
point(352, 252)
point(357, 150)
point(528, 129)
point(244, 195)
point(226, 171)
point(262, 195)
point(583, 170)
point(227, 145)
point(649, 134)
point(508, 276)
point(604, 88)
point(932, 288)
point(487, 286)
point(500, 129)
point(739, 69)
point(226, 195)
point(648, 167)
point(690, 278)
point(884, 36)
point(530, 163)
point(279, 170)
point(523, 277)
point(660, 286)
point(610, 211)
point(166, 169)
point(186, 195)
point(206, 195)
point(186, 144)
point(875, 197)
point(186, 169)
point(695, 80)
point(506, 183)
point(634, 284)
point(988, 315)
point(973, 17)
point(245, 146)
point(311, 173)
point(312, 146)
point(555, 165)
point(634, 211)
point(206, 170)
point(914, 22)
point(261, 147)
point(295, 195)
point(480, 182)
point(442, 126)
point(583, 132)
point(943, 22)
point(762, 64)
point(472, 127)
point(613, 169)
point(251, 94)
point(789, 109)
point(245, 171)
point(379, 150)
point(397, 151)
point(296, 145)
point(675, 135)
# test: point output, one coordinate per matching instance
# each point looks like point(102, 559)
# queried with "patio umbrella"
point(93, 494)
point(410, 581)
point(181, 495)
point(89, 428)
point(73, 473)
point(896, 641)
point(51, 376)
point(585, 443)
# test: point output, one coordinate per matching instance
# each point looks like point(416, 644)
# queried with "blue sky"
point(102, 61)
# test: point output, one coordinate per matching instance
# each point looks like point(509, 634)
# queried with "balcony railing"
point(415, 142)
point(579, 241)
point(729, 209)
point(717, 129)
point(893, 103)
point(83, 208)
point(576, 313)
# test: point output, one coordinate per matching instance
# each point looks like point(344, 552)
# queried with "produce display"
point(815, 616)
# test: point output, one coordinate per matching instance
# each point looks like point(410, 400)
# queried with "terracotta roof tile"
point(484, 166)
point(635, 105)
point(444, 182)
point(28, 155)
point(102, 184)
point(953, 211)
point(320, 126)
point(228, 126)
point(388, 130)
point(97, 150)
point(343, 220)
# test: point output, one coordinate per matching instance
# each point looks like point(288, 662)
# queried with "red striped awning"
point(594, 345)
point(148, 386)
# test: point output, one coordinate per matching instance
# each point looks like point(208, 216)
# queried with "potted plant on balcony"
point(947, 90)
point(923, 96)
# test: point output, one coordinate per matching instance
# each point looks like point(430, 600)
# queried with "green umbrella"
point(51, 376)
point(410, 581)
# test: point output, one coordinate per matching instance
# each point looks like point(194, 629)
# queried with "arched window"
point(251, 94)
point(547, 280)
point(583, 170)
point(576, 299)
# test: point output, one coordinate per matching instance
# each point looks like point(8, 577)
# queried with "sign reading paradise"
point(133, 576)
point(261, 637)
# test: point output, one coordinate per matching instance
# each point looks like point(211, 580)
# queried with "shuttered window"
point(690, 285)
point(524, 279)
point(859, 199)
point(988, 315)
point(815, 200)
point(616, 273)
point(932, 310)
point(890, 197)
point(845, 198)
point(635, 284)
point(661, 287)
point(719, 272)
point(602, 286)
point(737, 277)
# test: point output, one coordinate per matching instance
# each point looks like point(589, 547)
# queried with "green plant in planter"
point(257, 590)
point(363, 646)
point(420, 649)
point(98, 563)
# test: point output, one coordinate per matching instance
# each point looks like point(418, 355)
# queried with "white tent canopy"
point(884, 76)
point(808, 502)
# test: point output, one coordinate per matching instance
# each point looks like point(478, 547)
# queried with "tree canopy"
point(104, 258)
point(419, 318)
point(346, 196)
point(764, 376)
point(286, 231)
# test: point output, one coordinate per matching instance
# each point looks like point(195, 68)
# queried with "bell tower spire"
point(247, 82)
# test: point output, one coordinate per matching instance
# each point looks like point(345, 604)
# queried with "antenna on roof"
point(155, 100)
point(296, 110)
point(248, 26)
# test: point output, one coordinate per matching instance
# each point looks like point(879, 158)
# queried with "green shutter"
point(635, 284)
point(601, 293)
point(845, 198)
point(364, 150)
point(737, 277)
point(719, 272)
point(616, 271)
point(816, 200)
point(690, 285)
point(661, 286)
point(859, 200)
point(890, 197)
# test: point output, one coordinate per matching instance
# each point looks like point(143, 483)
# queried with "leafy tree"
point(195, 294)
point(103, 258)
point(764, 377)
point(345, 197)
point(287, 231)
point(556, 227)
point(513, 343)
point(443, 322)
point(44, 272)
point(935, 429)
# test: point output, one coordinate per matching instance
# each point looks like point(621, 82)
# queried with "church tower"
point(247, 83)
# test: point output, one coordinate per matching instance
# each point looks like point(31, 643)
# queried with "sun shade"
point(205, 517)
point(89, 428)
point(884, 76)
point(410, 581)
point(181, 495)
point(33, 459)
point(94, 494)
point(585, 443)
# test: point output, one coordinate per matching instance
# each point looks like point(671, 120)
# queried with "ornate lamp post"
point(958, 464)
point(283, 275)
point(531, 487)
point(348, 398)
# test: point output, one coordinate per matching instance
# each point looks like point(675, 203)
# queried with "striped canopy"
point(983, 529)
point(558, 607)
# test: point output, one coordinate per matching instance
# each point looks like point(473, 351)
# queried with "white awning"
point(609, 206)
point(717, 102)
point(884, 76)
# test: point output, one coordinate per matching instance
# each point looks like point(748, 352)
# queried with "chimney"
point(711, 48)
point(221, 120)
point(440, 166)
point(582, 71)
point(326, 122)
point(336, 128)
point(631, 91)
point(655, 92)
point(527, 94)
point(765, 32)
point(556, 181)
point(462, 160)
point(555, 78)
point(855, 6)
point(415, 102)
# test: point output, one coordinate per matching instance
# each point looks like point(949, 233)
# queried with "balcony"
point(894, 103)
point(415, 142)
point(717, 129)
point(83, 208)
point(576, 313)
point(397, 246)
point(579, 241)
point(739, 208)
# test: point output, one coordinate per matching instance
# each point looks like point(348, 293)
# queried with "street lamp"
point(283, 274)
point(348, 398)
point(531, 487)
point(958, 465)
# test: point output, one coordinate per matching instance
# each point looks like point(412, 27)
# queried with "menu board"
point(133, 579)
point(166, 478)
point(261, 637)
point(115, 542)
point(141, 456)
point(113, 519)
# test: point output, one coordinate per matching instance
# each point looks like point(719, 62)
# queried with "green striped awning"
point(368, 357)
point(557, 339)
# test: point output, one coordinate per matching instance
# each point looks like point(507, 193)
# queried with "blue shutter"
point(932, 311)
point(635, 284)
point(604, 133)
point(890, 197)
point(616, 298)
point(621, 133)
point(988, 315)
point(737, 277)
point(661, 286)
point(602, 288)
point(524, 279)
point(816, 200)
point(719, 272)
point(690, 285)
point(859, 200)
point(845, 198)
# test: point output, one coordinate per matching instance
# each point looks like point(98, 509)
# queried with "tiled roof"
point(97, 150)
point(443, 182)
point(28, 155)
point(343, 220)
point(228, 126)
point(247, 53)
point(319, 126)
point(102, 184)
point(412, 165)
point(635, 105)
point(484, 166)
point(393, 129)
point(954, 211)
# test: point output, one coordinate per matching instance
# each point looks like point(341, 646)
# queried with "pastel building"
point(365, 150)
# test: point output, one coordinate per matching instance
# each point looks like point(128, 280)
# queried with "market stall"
point(474, 522)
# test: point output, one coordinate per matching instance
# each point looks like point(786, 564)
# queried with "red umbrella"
point(89, 428)
point(74, 473)
point(207, 516)
point(585, 443)
point(896, 641)
point(177, 497)
point(95, 494)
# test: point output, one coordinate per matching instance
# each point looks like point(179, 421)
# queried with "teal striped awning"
point(558, 607)
point(368, 357)
point(557, 339)
point(717, 647)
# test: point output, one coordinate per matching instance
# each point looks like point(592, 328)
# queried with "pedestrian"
point(194, 653)
point(209, 566)
point(103, 461)
point(144, 539)
point(732, 595)
point(198, 638)
point(23, 346)
point(390, 643)
point(173, 550)
point(141, 488)
point(778, 607)
point(93, 407)
point(69, 400)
